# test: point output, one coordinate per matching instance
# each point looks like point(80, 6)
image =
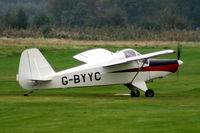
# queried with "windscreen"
point(130, 53)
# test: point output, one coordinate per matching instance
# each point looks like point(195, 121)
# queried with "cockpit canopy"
point(130, 53)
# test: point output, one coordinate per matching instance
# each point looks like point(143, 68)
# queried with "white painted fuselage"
point(126, 67)
point(95, 75)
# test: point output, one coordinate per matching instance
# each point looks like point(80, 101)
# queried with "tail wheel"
point(149, 93)
point(135, 93)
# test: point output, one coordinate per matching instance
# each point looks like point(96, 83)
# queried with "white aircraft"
point(101, 67)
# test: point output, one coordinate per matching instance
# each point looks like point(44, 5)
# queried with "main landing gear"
point(27, 94)
point(136, 93)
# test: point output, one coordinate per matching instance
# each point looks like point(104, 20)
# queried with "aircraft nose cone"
point(180, 62)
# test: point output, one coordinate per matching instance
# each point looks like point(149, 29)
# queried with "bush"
point(106, 33)
point(168, 20)
point(46, 29)
point(31, 32)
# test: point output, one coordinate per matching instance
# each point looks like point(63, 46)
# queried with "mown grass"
point(175, 108)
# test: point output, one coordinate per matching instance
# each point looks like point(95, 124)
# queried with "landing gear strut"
point(149, 93)
point(135, 93)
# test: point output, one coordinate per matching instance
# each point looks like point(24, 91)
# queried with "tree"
point(21, 19)
point(111, 17)
point(189, 9)
point(169, 20)
point(147, 23)
point(75, 17)
point(9, 20)
point(57, 7)
point(42, 19)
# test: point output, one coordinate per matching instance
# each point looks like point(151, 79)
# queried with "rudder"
point(33, 66)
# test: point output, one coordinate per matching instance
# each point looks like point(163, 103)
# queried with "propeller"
point(179, 51)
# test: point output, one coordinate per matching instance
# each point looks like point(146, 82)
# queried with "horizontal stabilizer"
point(41, 79)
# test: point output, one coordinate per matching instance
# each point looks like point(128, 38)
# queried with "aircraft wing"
point(140, 57)
point(94, 55)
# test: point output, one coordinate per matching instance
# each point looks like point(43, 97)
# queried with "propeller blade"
point(179, 50)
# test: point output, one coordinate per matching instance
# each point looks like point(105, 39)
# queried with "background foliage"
point(50, 16)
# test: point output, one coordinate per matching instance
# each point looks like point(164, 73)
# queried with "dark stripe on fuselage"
point(156, 65)
point(160, 62)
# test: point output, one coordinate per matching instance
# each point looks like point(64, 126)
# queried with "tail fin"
point(33, 66)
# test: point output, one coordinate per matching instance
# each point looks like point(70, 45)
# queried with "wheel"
point(149, 93)
point(135, 93)
point(26, 94)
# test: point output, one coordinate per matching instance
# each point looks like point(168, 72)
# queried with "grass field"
point(175, 107)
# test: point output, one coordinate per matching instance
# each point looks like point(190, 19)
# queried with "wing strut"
point(139, 70)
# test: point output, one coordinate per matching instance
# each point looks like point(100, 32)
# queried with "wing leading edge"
point(140, 57)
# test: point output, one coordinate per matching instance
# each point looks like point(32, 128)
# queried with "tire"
point(135, 93)
point(26, 94)
point(149, 93)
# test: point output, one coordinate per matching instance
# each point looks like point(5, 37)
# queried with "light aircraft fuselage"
point(101, 67)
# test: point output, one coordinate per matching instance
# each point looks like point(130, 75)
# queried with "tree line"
point(145, 14)
point(149, 14)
